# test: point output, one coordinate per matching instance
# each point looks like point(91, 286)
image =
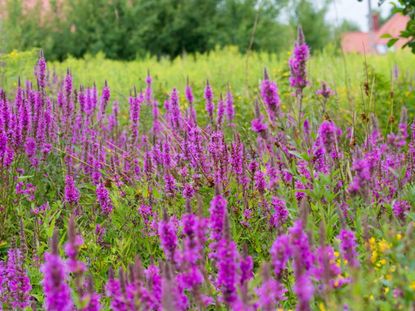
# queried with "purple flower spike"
point(71, 192)
point(270, 96)
point(297, 62)
point(348, 247)
point(55, 284)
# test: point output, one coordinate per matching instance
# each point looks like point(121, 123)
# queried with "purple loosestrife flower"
point(260, 182)
point(298, 62)
point(209, 100)
point(188, 191)
point(175, 114)
point(230, 110)
point(192, 251)
point(106, 93)
point(68, 83)
point(173, 297)
point(135, 107)
point(92, 298)
point(30, 147)
point(190, 100)
point(270, 292)
point(104, 199)
point(189, 93)
point(221, 111)
point(71, 192)
point(168, 237)
point(149, 90)
point(299, 195)
point(363, 169)
point(400, 209)
point(41, 71)
point(227, 263)
point(18, 283)
point(270, 96)
point(114, 291)
point(170, 184)
point(153, 278)
point(246, 266)
point(303, 260)
point(280, 252)
point(325, 91)
point(258, 125)
point(105, 97)
point(72, 247)
point(55, 286)
point(348, 247)
point(304, 290)
point(217, 212)
point(280, 215)
point(326, 268)
point(301, 246)
point(328, 135)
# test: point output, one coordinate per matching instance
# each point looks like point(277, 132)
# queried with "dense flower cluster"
point(198, 194)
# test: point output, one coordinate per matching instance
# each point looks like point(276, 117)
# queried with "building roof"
point(355, 42)
point(359, 42)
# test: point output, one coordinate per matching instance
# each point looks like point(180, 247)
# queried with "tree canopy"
point(126, 29)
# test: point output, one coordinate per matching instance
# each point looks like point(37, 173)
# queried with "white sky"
point(355, 11)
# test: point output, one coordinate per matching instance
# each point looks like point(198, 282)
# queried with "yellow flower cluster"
point(378, 248)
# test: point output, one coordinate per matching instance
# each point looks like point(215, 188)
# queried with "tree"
point(312, 19)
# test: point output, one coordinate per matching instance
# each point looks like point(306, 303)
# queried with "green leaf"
point(391, 42)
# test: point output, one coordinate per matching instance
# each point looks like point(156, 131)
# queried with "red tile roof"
point(355, 42)
point(358, 42)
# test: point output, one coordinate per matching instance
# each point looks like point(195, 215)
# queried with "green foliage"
point(312, 20)
point(406, 8)
point(124, 29)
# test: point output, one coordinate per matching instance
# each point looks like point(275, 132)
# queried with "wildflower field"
point(208, 182)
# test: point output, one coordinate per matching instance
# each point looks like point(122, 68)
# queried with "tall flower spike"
point(298, 62)
point(71, 192)
point(72, 247)
point(258, 125)
point(113, 290)
point(149, 90)
point(227, 266)
point(168, 237)
point(270, 292)
point(348, 247)
point(104, 199)
point(190, 100)
point(18, 283)
point(209, 100)
point(230, 110)
point(41, 70)
point(92, 298)
point(55, 284)
point(221, 110)
point(298, 68)
point(270, 96)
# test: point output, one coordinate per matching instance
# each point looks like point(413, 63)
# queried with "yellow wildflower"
point(372, 242)
point(374, 256)
point(13, 54)
point(383, 245)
